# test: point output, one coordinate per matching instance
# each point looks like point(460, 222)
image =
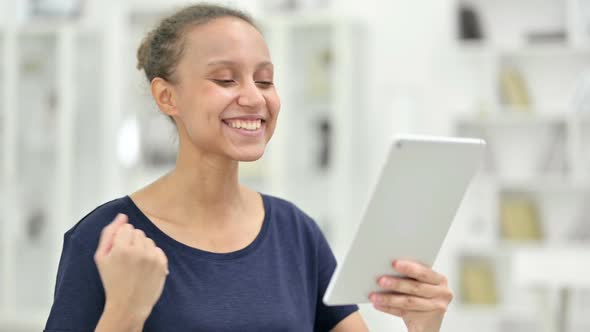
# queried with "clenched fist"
point(132, 269)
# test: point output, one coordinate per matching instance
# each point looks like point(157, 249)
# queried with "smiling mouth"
point(248, 125)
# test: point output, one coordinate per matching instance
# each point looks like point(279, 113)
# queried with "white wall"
point(404, 40)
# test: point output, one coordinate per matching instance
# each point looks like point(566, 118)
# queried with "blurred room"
point(78, 127)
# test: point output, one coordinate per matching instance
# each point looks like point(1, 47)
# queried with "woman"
point(195, 250)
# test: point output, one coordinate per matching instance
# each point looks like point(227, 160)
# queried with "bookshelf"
point(40, 63)
point(531, 194)
point(314, 154)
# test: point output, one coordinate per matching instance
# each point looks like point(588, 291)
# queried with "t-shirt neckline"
point(160, 237)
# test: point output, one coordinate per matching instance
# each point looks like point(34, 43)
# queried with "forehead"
point(225, 37)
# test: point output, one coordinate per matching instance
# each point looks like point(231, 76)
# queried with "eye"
point(224, 82)
point(265, 84)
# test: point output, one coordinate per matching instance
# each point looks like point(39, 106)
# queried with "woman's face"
point(226, 99)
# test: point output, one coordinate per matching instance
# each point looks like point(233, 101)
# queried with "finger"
point(148, 243)
point(163, 258)
point(419, 272)
point(405, 302)
point(410, 287)
point(124, 235)
point(105, 243)
point(138, 238)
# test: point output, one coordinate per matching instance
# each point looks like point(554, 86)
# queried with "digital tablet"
point(412, 206)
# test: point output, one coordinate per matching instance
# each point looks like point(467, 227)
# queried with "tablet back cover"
point(411, 209)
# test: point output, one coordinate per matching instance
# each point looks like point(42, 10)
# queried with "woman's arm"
point(353, 323)
point(133, 271)
point(119, 320)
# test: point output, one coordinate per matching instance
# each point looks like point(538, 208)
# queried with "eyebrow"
point(232, 63)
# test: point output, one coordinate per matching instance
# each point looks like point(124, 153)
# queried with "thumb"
point(108, 234)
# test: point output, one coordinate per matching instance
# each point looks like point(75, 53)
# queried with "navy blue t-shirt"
point(276, 283)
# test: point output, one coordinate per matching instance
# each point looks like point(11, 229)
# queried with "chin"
point(248, 155)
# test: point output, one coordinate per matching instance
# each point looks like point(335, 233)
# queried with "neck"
point(205, 180)
point(202, 188)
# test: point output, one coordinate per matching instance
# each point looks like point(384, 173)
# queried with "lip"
point(253, 117)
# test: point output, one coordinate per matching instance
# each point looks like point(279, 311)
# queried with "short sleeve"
point(79, 296)
point(327, 317)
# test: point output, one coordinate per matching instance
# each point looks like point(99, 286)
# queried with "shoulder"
point(288, 215)
point(285, 209)
point(87, 230)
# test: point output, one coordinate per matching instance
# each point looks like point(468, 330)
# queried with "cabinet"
point(315, 158)
point(48, 71)
point(522, 88)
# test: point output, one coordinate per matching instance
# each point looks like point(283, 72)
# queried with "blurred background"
point(78, 128)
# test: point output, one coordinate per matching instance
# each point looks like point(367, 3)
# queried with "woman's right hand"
point(132, 269)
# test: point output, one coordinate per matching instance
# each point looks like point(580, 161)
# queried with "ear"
point(164, 95)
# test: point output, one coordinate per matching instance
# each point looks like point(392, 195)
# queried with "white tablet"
point(412, 206)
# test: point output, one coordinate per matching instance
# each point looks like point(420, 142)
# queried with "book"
point(469, 23)
point(513, 89)
point(477, 281)
point(519, 219)
point(319, 74)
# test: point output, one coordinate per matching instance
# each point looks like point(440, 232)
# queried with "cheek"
point(274, 104)
point(212, 93)
point(207, 103)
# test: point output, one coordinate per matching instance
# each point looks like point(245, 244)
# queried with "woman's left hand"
point(421, 299)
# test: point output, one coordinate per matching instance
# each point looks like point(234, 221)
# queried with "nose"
point(250, 95)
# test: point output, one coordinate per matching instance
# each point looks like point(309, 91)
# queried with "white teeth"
point(248, 125)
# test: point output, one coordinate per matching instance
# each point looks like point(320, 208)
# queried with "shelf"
point(50, 26)
point(527, 50)
point(552, 266)
point(505, 249)
point(479, 310)
point(512, 117)
point(551, 51)
point(508, 247)
point(549, 183)
point(307, 18)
